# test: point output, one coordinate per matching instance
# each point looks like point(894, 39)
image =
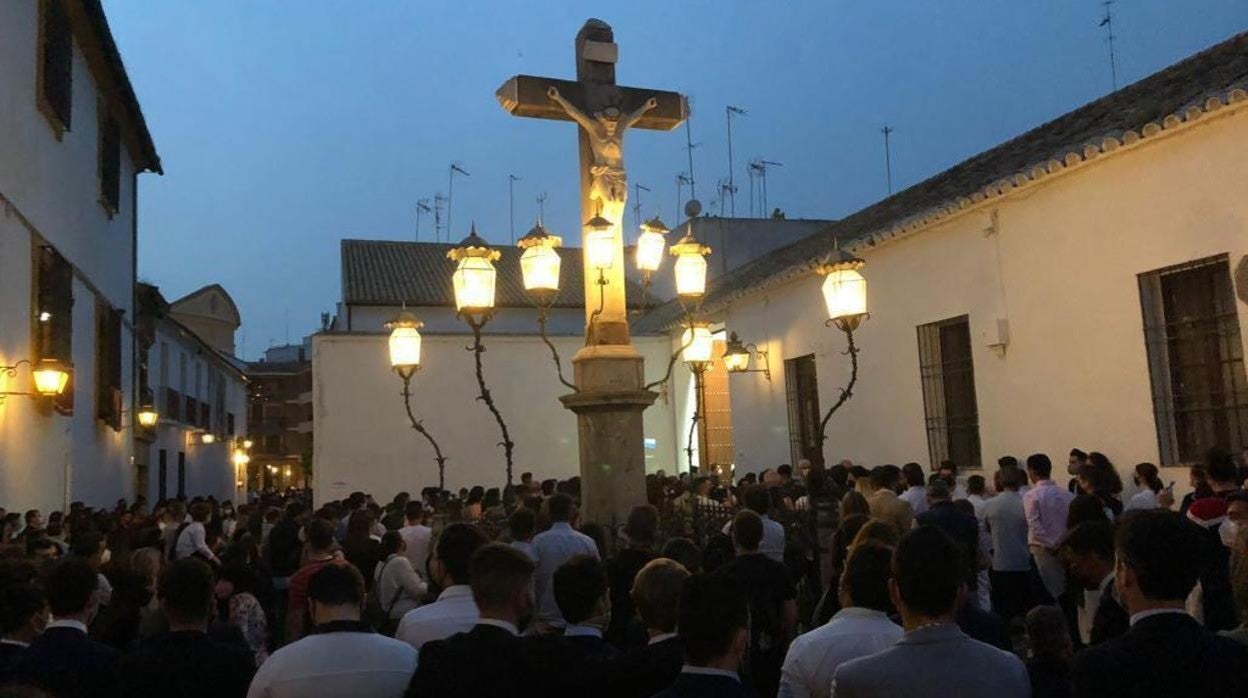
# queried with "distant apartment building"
point(279, 417)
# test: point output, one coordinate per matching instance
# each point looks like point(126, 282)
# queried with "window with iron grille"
point(948, 376)
point(54, 316)
point(801, 388)
point(56, 59)
point(108, 395)
point(110, 161)
point(1195, 359)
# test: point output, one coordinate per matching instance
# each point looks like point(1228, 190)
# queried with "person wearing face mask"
point(1165, 652)
point(490, 659)
point(1212, 602)
point(454, 611)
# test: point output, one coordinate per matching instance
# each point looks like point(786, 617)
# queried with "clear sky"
point(287, 125)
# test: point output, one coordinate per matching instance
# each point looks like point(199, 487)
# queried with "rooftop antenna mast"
point(541, 207)
point(732, 185)
point(725, 193)
point(511, 204)
point(681, 180)
point(760, 166)
point(1108, 22)
point(450, 193)
point(439, 204)
point(422, 206)
point(888, 158)
point(752, 170)
point(638, 188)
point(689, 146)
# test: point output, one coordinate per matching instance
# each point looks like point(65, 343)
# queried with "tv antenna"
point(729, 111)
point(681, 180)
point(439, 205)
point(541, 207)
point(450, 193)
point(422, 206)
point(1108, 22)
point(511, 204)
point(758, 167)
point(689, 146)
point(888, 159)
point(638, 188)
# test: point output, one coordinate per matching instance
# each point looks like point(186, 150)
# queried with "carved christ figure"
point(609, 183)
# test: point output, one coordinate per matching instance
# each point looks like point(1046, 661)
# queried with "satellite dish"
point(692, 208)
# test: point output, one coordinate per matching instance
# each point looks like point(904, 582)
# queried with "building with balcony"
point(279, 417)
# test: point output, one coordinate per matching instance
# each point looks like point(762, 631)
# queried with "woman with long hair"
point(398, 587)
point(1146, 478)
point(1101, 481)
point(360, 547)
point(237, 604)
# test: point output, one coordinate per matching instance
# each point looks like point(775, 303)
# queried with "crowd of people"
point(841, 581)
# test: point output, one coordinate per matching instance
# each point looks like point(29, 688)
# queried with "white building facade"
point(72, 143)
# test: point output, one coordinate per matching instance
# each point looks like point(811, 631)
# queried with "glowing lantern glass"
point(540, 262)
point(474, 275)
point(148, 416)
point(736, 356)
point(599, 243)
point(845, 293)
point(651, 245)
point(208, 438)
point(51, 377)
point(690, 267)
point(405, 342)
point(698, 344)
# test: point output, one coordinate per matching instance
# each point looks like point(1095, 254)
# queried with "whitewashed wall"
point(1062, 268)
point(364, 441)
point(50, 188)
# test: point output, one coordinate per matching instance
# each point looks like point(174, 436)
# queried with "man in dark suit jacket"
point(23, 610)
point(490, 660)
point(961, 526)
point(185, 661)
point(642, 672)
point(713, 621)
point(1088, 551)
point(1165, 652)
point(63, 661)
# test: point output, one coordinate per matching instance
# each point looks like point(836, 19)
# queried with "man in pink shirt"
point(1046, 505)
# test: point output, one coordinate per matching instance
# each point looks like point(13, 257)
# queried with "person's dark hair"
point(492, 498)
point(964, 506)
point(929, 570)
point(1011, 478)
point(17, 604)
point(709, 614)
point(1007, 462)
point(866, 576)
point(949, 465)
point(201, 511)
point(413, 510)
point(854, 503)
point(975, 484)
point(859, 472)
point(785, 470)
point(1147, 473)
point(476, 494)
point(391, 543)
point(526, 477)
point(643, 525)
point(839, 474)
point(757, 500)
point(320, 534)
point(1107, 479)
point(656, 590)
point(1084, 508)
point(579, 584)
point(85, 544)
point(36, 543)
point(498, 571)
point(1040, 464)
point(185, 590)
point(70, 585)
point(455, 549)
point(747, 530)
point(913, 473)
point(548, 487)
point(1078, 454)
point(1047, 633)
point(1164, 551)
point(685, 552)
point(1094, 537)
point(879, 477)
point(337, 585)
point(294, 510)
point(938, 490)
point(560, 508)
point(1221, 467)
point(521, 524)
point(719, 551)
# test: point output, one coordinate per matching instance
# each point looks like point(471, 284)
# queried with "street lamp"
point(474, 302)
point(650, 247)
point(405, 347)
point(147, 415)
point(49, 378)
point(845, 295)
point(690, 273)
point(738, 355)
point(539, 266)
point(698, 346)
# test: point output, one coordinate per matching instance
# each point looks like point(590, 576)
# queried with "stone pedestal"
point(608, 411)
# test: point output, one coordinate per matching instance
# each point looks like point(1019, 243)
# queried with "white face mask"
point(1228, 532)
point(106, 556)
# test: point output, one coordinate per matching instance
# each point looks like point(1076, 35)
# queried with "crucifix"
point(608, 370)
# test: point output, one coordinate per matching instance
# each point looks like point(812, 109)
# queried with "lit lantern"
point(599, 243)
point(51, 377)
point(241, 458)
point(844, 290)
point(690, 267)
point(405, 343)
point(540, 262)
point(247, 444)
point(208, 438)
point(650, 245)
point(475, 274)
point(147, 416)
point(698, 345)
point(736, 356)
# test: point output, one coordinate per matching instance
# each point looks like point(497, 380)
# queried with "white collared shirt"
point(709, 671)
point(417, 540)
point(454, 612)
point(509, 627)
point(582, 631)
point(1137, 617)
point(660, 638)
point(555, 547)
point(18, 643)
point(815, 656)
point(68, 623)
point(916, 497)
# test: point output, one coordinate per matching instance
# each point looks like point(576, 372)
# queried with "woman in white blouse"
point(1147, 479)
point(398, 586)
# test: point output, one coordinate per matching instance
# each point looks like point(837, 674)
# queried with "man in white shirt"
point(555, 547)
point(861, 627)
point(916, 488)
point(1006, 524)
point(758, 500)
point(194, 539)
point(416, 536)
point(344, 656)
point(1046, 506)
point(454, 611)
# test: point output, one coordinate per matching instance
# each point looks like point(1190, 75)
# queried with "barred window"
point(801, 388)
point(56, 59)
point(108, 394)
point(948, 376)
point(1195, 359)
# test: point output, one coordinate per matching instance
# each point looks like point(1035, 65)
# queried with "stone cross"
point(604, 111)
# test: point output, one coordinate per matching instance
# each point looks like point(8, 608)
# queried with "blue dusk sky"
point(287, 125)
